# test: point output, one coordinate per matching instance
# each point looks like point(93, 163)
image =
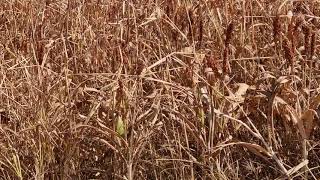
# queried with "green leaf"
point(120, 126)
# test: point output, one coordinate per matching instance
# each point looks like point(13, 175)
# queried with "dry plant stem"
point(273, 155)
point(304, 156)
point(131, 89)
point(271, 128)
point(255, 132)
point(212, 125)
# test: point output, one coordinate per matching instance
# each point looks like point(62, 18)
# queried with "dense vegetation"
point(182, 89)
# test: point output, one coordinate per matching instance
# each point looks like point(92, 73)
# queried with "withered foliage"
point(159, 89)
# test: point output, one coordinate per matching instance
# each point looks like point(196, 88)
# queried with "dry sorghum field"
point(162, 89)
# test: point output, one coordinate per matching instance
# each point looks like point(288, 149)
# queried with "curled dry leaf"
point(243, 87)
point(283, 79)
point(308, 121)
point(289, 114)
point(267, 75)
point(296, 121)
point(263, 78)
point(238, 95)
point(315, 102)
point(256, 149)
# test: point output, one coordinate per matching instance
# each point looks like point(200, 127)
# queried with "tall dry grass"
point(159, 89)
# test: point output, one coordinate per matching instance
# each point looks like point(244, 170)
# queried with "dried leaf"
point(289, 114)
point(305, 123)
point(283, 79)
point(238, 95)
point(285, 110)
point(199, 57)
point(202, 116)
point(256, 149)
point(243, 87)
point(296, 121)
point(268, 75)
point(307, 119)
point(315, 102)
point(89, 89)
point(298, 167)
point(187, 50)
point(108, 144)
point(278, 100)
